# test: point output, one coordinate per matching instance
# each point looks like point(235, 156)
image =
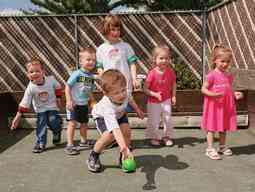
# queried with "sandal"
point(168, 142)
point(225, 151)
point(212, 154)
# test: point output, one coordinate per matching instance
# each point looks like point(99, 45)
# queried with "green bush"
point(185, 79)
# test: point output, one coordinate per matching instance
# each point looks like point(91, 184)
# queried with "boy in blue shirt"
point(78, 92)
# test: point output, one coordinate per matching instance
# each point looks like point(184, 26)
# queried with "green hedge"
point(185, 78)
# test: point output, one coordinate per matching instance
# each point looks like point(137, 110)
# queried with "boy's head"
point(87, 58)
point(35, 71)
point(114, 85)
point(112, 27)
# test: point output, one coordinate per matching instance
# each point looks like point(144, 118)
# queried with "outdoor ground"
point(181, 168)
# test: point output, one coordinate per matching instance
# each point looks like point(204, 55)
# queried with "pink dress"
point(219, 114)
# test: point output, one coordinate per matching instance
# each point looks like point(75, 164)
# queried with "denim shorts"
point(79, 114)
point(101, 126)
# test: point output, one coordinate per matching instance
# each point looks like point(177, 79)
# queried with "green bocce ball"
point(129, 165)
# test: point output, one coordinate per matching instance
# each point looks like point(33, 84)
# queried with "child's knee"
point(83, 126)
point(71, 125)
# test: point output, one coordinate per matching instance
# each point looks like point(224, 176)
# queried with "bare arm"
point(174, 94)
point(206, 92)
point(92, 101)
point(23, 107)
point(137, 109)
point(121, 142)
point(69, 99)
point(152, 93)
point(58, 93)
point(18, 116)
point(16, 120)
point(134, 75)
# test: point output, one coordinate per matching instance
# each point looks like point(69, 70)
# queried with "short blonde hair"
point(89, 49)
point(35, 62)
point(112, 21)
point(111, 80)
point(219, 50)
point(155, 52)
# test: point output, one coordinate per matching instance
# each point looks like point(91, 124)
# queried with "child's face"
point(222, 62)
point(87, 61)
point(35, 73)
point(118, 95)
point(162, 60)
point(114, 34)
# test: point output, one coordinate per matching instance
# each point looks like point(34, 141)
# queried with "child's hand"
point(92, 103)
point(127, 154)
point(238, 95)
point(140, 113)
point(218, 95)
point(173, 100)
point(14, 124)
point(136, 84)
point(158, 95)
point(15, 121)
point(70, 105)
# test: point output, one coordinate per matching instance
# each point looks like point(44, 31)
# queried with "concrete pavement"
point(181, 168)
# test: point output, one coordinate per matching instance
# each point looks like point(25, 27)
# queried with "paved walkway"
point(181, 168)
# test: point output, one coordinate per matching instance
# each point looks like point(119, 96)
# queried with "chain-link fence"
point(56, 40)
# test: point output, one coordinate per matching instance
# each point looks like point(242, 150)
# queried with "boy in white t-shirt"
point(44, 92)
point(111, 119)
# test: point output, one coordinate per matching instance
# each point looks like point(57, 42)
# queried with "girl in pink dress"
point(219, 110)
point(160, 86)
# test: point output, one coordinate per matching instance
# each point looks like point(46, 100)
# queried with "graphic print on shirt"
point(115, 57)
point(87, 82)
point(43, 96)
point(161, 80)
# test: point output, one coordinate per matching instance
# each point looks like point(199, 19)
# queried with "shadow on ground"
point(188, 141)
point(149, 164)
point(179, 142)
point(244, 150)
point(62, 145)
point(10, 138)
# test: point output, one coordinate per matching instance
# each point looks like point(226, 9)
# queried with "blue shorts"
point(101, 126)
point(79, 114)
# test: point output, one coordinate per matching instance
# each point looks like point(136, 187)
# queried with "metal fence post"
point(204, 35)
point(76, 41)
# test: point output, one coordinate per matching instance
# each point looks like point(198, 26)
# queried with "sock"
point(94, 154)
